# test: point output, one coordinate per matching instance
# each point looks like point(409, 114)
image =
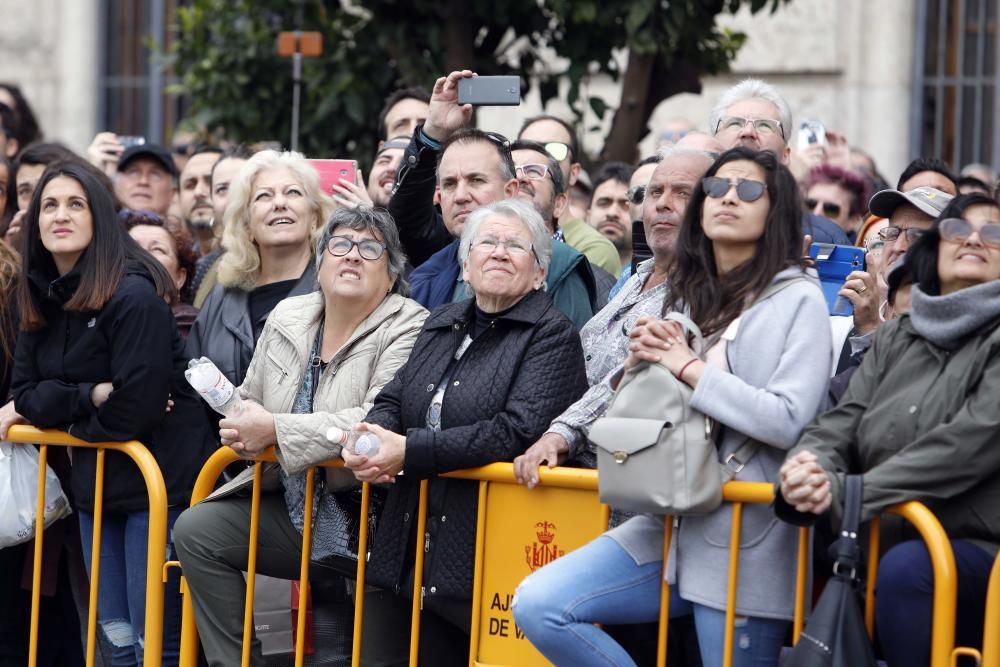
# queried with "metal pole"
point(296, 93)
point(154, 89)
point(297, 76)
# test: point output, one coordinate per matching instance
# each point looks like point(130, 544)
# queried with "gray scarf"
point(948, 320)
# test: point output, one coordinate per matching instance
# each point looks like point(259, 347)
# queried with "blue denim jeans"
point(557, 607)
point(121, 594)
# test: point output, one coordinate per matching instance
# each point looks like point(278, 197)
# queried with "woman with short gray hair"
point(321, 360)
point(514, 209)
point(486, 377)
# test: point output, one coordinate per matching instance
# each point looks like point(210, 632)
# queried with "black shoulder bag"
point(835, 635)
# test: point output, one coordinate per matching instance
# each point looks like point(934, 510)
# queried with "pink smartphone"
point(332, 172)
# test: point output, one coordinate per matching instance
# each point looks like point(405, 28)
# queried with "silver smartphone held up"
point(494, 91)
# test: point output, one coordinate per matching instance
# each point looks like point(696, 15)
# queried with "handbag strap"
point(852, 507)
point(846, 550)
point(735, 461)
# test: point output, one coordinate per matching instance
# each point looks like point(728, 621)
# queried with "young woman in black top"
point(98, 355)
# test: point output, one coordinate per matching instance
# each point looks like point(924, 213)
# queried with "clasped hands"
point(663, 342)
point(805, 485)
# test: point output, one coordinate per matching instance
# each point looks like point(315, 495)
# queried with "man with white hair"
point(754, 114)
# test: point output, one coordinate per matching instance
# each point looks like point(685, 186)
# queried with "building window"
point(131, 88)
point(956, 82)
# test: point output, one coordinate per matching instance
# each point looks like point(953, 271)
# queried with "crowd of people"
point(479, 300)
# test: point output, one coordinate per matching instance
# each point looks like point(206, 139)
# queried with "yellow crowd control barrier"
point(521, 530)
point(991, 627)
point(203, 487)
point(157, 543)
point(945, 579)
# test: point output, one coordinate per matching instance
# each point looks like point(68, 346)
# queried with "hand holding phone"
point(834, 264)
point(490, 91)
point(446, 116)
point(332, 172)
point(860, 289)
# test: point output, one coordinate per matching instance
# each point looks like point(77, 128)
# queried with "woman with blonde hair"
point(275, 212)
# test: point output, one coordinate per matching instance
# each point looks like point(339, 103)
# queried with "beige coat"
point(347, 387)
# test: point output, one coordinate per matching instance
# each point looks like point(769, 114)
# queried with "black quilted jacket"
point(513, 380)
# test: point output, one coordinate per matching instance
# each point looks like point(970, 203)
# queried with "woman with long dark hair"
point(762, 379)
point(99, 356)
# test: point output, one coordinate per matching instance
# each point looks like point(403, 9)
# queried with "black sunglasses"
point(830, 209)
point(502, 142)
point(748, 191)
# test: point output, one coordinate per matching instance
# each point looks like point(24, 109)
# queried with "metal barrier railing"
point(203, 487)
point(738, 493)
point(945, 579)
point(157, 542)
point(991, 625)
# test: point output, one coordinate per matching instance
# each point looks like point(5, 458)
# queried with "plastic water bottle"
point(361, 444)
point(214, 387)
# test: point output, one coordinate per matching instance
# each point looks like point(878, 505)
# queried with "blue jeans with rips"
point(557, 607)
point(121, 594)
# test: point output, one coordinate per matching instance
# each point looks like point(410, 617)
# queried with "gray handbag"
point(655, 453)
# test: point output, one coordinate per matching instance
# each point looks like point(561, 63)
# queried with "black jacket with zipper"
point(510, 383)
point(133, 343)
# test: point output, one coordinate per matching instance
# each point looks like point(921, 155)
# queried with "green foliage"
point(226, 62)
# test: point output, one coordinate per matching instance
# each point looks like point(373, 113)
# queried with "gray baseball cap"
point(927, 199)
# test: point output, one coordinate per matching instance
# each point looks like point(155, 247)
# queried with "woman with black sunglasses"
point(920, 421)
point(738, 273)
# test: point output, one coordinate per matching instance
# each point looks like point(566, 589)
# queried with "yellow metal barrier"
point(737, 493)
point(991, 627)
point(157, 543)
point(203, 487)
point(945, 579)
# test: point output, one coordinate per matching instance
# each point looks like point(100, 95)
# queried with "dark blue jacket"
point(823, 230)
point(569, 281)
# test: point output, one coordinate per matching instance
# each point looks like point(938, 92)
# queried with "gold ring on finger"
point(862, 288)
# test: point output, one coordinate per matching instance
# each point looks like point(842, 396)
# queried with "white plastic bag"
point(19, 494)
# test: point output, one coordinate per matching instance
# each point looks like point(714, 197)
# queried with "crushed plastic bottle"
point(214, 387)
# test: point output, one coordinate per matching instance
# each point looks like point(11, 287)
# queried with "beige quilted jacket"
point(347, 388)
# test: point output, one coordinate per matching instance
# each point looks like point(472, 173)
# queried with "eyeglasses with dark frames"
point(369, 249)
point(890, 234)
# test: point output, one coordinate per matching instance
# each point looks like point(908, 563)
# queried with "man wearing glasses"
point(910, 214)
point(540, 181)
point(461, 170)
point(561, 142)
point(754, 114)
